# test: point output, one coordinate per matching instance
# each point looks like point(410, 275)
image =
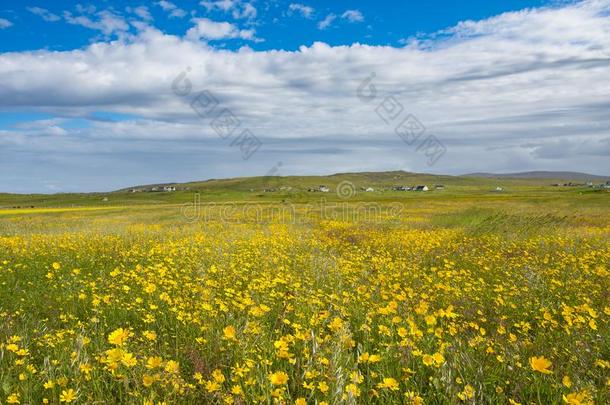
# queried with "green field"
point(224, 293)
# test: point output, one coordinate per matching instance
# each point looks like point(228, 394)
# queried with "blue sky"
point(87, 100)
point(281, 27)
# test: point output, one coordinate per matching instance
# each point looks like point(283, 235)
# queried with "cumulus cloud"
point(327, 21)
point(44, 14)
point(143, 13)
point(528, 90)
point(303, 10)
point(106, 21)
point(206, 29)
point(88, 9)
point(4, 23)
point(173, 10)
point(224, 5)
point(353, 16)
point(237, 8)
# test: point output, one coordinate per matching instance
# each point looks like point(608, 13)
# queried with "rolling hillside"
point(298, 189)
point(565, 176)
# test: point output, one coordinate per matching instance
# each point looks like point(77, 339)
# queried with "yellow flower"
point(278, 378)
point(439, 359)
point(541, 364)
point(172, 367)
point(212, 386)
point(13, 399)
point(218, 376)
point(67, 396)
point(150, 335)
point(336, 324)
point(300, 401)
point(323, 387)
point(49, 385)
point(413, 398)
point(353, 390)
point(150, 288)
point(85, 368)
point(153, 362)
point(229, 333)
point(428, 360)
point(566, 381)
point(467, 393)
point(578, 398)
point(56, 266)
point(128, 359)
point(119, 337)
point(389, 383)
point(147, 380)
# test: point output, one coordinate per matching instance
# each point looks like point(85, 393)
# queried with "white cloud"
point(247, 10)
point(327, 21)
point(527, 90)
point(143, 13)
point(4, 23)
point(171, 8)
point(88, 9)
point(44, 14)
point(107, 22)
point(237, 8)
point(207, 29)
point(224, 5)
point(302, 9)
point(353, 16)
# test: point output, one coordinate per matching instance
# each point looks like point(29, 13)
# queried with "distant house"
point(169, 188)
point(439, 187)
point(323, 189)
point(499, 189)
point(369, 189)
point(401, 188)
point(421, 188)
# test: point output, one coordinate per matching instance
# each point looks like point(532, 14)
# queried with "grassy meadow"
point(446, 297)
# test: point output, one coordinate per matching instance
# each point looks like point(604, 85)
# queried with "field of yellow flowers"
point(446, 303)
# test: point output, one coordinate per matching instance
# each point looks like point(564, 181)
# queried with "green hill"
point(302, 189)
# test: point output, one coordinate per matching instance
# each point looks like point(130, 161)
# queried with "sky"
point(110, 94)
